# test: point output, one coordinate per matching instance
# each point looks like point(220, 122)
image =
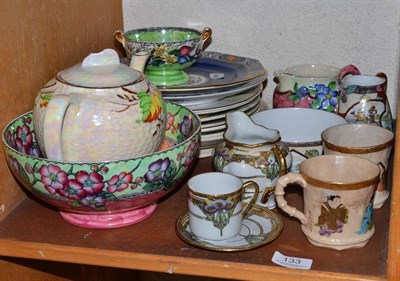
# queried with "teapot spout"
point(139, 59)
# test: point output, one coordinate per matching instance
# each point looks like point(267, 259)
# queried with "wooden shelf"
point(36, 231)
point(33, 235)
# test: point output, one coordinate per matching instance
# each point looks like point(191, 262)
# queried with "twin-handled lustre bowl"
point(172, 49)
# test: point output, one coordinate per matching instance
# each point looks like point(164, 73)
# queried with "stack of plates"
point(219, 83)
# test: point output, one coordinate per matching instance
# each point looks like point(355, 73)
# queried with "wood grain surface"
point(38, 39)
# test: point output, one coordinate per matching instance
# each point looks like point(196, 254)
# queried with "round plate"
point(190, 98)
point(221, 115)
point(215, 70)
point(228, 102)
point(260, 227)
point(212, 124)
point(213, 129)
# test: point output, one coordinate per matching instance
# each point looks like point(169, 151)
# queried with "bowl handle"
point(52, 127)
point(120, 36)
point(206, 34)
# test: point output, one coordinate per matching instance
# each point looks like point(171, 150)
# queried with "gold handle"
point(120, 36)
point(253, 198)
point(281, 159)
point(206, 34)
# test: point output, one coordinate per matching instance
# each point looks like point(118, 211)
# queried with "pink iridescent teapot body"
point(99, 110)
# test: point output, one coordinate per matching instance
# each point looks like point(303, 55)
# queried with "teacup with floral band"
point(172, 49)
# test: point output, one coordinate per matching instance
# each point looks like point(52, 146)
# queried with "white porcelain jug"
point(252, 152)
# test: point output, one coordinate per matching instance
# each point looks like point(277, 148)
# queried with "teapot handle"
point(52, 127)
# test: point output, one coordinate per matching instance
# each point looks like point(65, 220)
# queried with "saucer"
point(260, 227)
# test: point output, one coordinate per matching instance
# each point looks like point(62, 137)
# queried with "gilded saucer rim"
point(275, 220)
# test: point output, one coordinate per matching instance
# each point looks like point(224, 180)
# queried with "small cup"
point(215, 202)
point(337, 192)
point(363, 100)
point(363, 140)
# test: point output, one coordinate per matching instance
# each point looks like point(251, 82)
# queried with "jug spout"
point(139, 59)
point(283, 79)
point(242, 130)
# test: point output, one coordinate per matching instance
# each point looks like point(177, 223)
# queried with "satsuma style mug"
point(337, 192)
point(363, 140)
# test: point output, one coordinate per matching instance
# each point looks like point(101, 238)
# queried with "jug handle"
point(120, 36)
point(52, 127)
point(348, 70)
point(281, 159)
point(282, 170)
point(384, 76)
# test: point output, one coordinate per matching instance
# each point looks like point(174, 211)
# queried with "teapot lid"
point(100, 70)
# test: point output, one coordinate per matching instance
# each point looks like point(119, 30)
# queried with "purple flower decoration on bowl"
point(157, 170)
point(185, 126)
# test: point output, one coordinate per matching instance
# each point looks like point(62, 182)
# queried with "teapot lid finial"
point(100, 70)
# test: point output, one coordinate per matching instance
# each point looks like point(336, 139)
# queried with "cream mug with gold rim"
point(337, 192)
point(363, 140)
point(216, 208)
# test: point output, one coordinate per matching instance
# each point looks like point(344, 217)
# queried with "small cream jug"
point(312, 86)
point(99, 110)
point(252, 153)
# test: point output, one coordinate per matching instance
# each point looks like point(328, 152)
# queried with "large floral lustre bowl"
point(105, 194)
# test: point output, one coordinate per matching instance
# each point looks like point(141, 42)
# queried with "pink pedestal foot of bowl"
point(109, 220)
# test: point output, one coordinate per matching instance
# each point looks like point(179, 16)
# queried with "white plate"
point(213, 129)
point(205, 152)
point(221, 115)
point(228, 102)
point(193, 98)
point(209, 124)
point(215, 70)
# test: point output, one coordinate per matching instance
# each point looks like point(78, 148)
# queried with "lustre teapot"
point(253, 153)
point(99, 110)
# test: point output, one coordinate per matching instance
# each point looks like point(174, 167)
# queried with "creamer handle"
point(52, 127)
point(280, 192)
